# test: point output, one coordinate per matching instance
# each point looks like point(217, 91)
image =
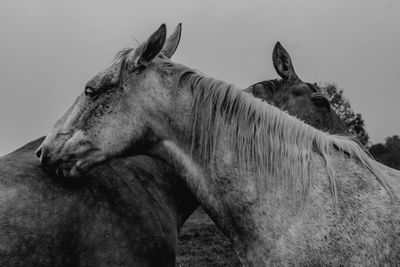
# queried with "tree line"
point(387, 153)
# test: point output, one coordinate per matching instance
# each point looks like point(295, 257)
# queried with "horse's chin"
point(81, 166)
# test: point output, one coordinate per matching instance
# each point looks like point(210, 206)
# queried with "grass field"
point(201, 244)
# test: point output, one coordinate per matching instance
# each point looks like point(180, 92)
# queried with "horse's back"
point(97, 221)
point(362, 231)
point(36, 222)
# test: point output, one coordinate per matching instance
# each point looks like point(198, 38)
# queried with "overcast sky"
point(49, 49)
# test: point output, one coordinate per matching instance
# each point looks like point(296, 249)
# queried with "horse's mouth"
point(84, 165)
point(79, 167)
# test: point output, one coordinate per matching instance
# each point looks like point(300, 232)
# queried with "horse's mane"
point(266, 140)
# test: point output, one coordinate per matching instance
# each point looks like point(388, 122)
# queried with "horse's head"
point(119, 112)
point(301, 99)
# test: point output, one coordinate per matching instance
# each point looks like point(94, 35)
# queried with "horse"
point(123, 213)
point(284, 192)
point(301, 99)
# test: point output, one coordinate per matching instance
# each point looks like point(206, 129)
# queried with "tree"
point(342, 107)
point(388, 153)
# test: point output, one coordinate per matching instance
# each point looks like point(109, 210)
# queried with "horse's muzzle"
point(43, 154)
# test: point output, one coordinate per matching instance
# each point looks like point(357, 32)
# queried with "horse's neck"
point(161, 182)
point(188, 169)
point(195, 177)
point(222, 195)
point(242, 207)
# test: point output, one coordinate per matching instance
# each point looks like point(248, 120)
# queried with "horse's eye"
point(320, 100)
point(140, 68)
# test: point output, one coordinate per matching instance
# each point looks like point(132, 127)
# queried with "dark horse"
point(301, 99)
point(125, 213)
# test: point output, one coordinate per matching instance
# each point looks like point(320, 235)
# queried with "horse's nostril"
point(43, 155)
point(38, 152)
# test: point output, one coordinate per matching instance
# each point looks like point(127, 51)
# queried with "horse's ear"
point(153, 45)
point(172, 42)
point(283, 64)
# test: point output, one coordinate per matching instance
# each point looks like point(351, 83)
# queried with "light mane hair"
point(266, 140)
